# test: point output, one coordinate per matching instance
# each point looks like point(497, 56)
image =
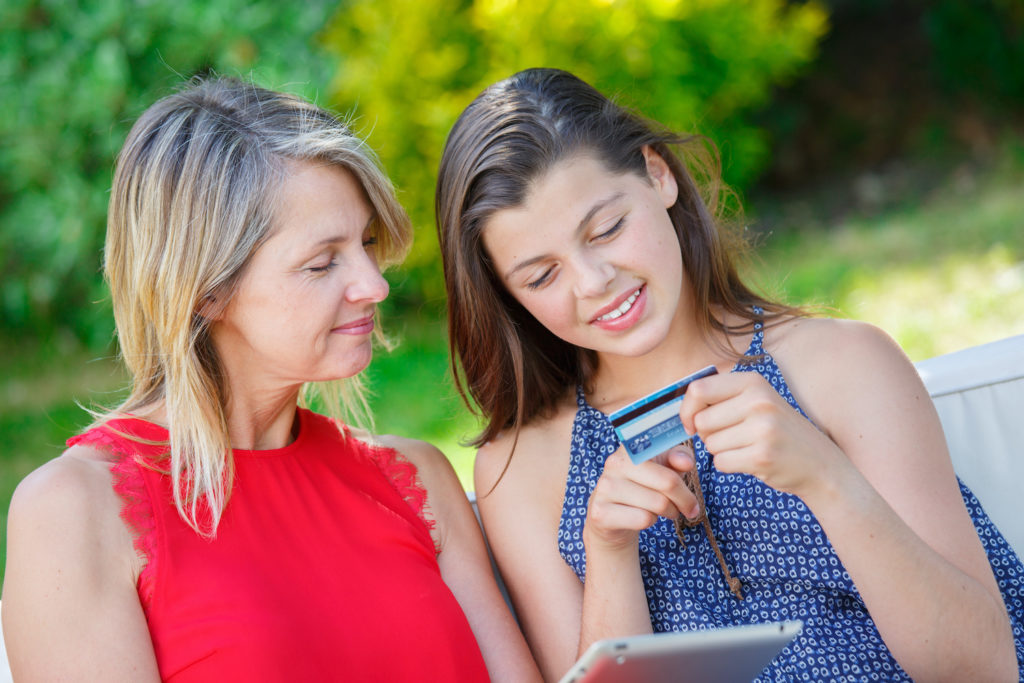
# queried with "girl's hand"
point(749, 427)
point(629, 498)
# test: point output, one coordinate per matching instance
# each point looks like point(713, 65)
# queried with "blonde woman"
point(210, 528)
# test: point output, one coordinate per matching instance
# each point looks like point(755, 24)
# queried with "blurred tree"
point(73, 77)
point(410, 66)
point(899, 78)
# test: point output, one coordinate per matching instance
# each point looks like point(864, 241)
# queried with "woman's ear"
point(661, 176)
point(210, 307)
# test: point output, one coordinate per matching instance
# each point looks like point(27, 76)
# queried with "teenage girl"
point(584, 270)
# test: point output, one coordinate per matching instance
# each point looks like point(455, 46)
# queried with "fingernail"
point(694, 514)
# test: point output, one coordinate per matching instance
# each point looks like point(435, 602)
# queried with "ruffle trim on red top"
point(136, 509)
point(403, 475)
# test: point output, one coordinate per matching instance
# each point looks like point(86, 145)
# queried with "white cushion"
point(5, 668)
point(979, 394)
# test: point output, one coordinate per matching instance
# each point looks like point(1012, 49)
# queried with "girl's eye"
point(369, 241)
point(612, 230)
point(545, 276)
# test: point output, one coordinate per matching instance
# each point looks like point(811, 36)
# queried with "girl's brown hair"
point(512, 367)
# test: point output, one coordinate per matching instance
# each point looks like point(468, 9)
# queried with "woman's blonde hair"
point(193, 198)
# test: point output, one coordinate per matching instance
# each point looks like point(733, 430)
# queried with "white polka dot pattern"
point(774, 545)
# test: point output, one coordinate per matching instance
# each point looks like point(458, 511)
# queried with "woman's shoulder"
point(73, 494)
point(429, 461)
point(79, 476)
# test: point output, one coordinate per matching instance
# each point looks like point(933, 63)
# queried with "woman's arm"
point(70, 607)
point(466, 567)
point(879, 479)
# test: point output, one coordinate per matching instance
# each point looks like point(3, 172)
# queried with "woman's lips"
point(361, 326)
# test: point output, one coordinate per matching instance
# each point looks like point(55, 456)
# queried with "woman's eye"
point(324, 268)
point(612, 230)
point(369, 241)
point(545, 276)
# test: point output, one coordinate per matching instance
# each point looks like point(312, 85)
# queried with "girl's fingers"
point(709, 391)
point(652, 485)
point(680, 458)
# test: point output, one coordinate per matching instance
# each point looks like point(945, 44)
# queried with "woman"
point(209, 528)
point(585, 270)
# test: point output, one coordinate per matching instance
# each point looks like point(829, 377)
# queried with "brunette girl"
point(584, 270)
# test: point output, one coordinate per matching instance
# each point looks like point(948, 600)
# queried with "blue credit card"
point(651, 425)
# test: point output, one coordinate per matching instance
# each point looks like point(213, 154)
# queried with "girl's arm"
point(877, 475)
point(466, 567)
point(560, 616)
point(70, 606)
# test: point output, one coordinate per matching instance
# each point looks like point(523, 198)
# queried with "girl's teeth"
point(625, 306)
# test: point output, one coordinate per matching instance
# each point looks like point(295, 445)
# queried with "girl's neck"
point(686, 348)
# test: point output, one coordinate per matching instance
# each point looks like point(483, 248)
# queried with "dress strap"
point(136, 508)
point(757, 340)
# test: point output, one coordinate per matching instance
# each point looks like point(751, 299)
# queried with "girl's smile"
point(623, 315)
point(592, 254)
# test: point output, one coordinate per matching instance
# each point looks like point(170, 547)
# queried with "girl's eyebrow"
point(587, 217)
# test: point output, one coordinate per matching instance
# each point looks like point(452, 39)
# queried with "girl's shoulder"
point(813, 342)
point(836, 367)
point(536, 454)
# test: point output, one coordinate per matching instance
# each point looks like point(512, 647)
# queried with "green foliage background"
point(73, 78)
point(74, 75)
point(700, 66)
point(808, 101)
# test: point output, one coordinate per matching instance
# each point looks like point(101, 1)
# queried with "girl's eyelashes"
point(370, 241)
point(606, 235)
point(544, 277)
point(610, 232)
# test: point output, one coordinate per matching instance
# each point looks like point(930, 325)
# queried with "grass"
point(940, 271)
point(940, 268)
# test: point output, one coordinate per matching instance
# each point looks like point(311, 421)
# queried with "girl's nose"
point(592, 276)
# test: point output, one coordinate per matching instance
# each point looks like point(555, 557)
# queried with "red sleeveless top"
point(323, 567)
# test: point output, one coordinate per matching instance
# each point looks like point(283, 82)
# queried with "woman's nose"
point(367, 284)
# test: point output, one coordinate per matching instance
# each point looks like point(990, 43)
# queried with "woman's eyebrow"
point(341, 238)
point(584, 222)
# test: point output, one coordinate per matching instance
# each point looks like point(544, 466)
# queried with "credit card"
point(651, 425)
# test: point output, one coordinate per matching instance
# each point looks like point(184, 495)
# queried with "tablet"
point(723, 655)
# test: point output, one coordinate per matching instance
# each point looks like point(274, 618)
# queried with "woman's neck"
point(262, 424)
point(267, 425)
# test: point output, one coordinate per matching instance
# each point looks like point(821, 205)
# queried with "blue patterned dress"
point(775, 546)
